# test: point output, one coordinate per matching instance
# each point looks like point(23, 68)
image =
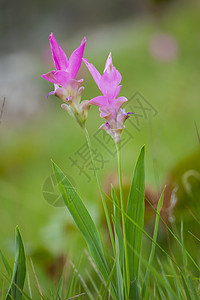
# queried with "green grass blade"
point(194, 236)
point(161, 277)
point(118, 245)
point(177, 239)
point(119, 277)
point(6, 264)
point(168, 286)
point(118, 225)
point(184, 256)
point(19, 270)
point(82, 281)
point(193, 288)
point(92, 282)
point(71, 282)
point(187, 292)
point(135, 210)
point(159, 207)
point(29, 284)
point(177, 282)
point(109, 281)
point(60, 287)
point(2, 289)
point(83, 220)
point(10, 281)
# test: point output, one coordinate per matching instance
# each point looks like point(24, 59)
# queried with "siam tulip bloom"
point(109, 105)
point(67, 88)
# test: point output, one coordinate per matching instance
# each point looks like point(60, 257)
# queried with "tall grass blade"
point(159, 207)
point(177, 239)
point(109, 281)
point(187, 292)
point(6, 264)
point(82, 219)
point(135, 210)
point(19, 270)
point(60, 287)
point(118, 228)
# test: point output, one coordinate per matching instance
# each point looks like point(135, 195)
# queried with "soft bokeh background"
point(156, 47)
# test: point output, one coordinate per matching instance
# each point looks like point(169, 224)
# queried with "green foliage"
point(83, 220)
point(135, 210)
point(19, 270)
point(6, 264)
point(159, 207)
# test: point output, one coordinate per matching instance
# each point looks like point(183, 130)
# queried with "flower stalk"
point(100, 187)
point(127, 277)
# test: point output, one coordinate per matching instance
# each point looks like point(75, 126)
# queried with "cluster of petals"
point(67, 88)
point(109, 105)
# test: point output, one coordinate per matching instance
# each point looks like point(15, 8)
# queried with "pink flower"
point(67, 88)
point(109, 105)
point(66, 70)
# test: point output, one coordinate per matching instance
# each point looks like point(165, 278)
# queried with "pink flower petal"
point(105, 112)
point(60, 78)
point(100, 101)
point(108, 62)
point(59, 57)
point(109, 82)
point(76, 60)
point(116, 92)
point(119, 102)
point(122, 117)
point(105, 126)
point(93, 71)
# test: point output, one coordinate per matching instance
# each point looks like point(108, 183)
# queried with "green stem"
point(100, 187)
point(127, 277)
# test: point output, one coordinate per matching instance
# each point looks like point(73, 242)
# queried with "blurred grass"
point(171, 87)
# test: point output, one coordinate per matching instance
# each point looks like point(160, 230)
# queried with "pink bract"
point(109, 105)
point(66, 70)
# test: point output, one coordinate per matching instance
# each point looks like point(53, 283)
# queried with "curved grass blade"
point(60, 287)
point(109, 281)
point(176, 238)
point(26, 296)
point(187, 293)
point(6, 264)
point(83, 220)
point(36, 279)
point(29, 284)
point(159, 207)
point(19, 270)
point(119, 277)
point(135, 211)
point(118, 224)
point(82, 281)
point(118, 245)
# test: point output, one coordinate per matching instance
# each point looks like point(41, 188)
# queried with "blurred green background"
point(156, 47)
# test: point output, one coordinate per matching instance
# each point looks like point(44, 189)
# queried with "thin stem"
point(123, 219)
point(100, 187)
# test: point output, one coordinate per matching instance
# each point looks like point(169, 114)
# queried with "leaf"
point(19, 270)
point(153, 246)
point(109, 281)
point(135, 211)
point(83, 220)
point(187, 293)
point(118, 224)
point(6, 264)
point(118, 246)
point(119, 277)
point(60, 287)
